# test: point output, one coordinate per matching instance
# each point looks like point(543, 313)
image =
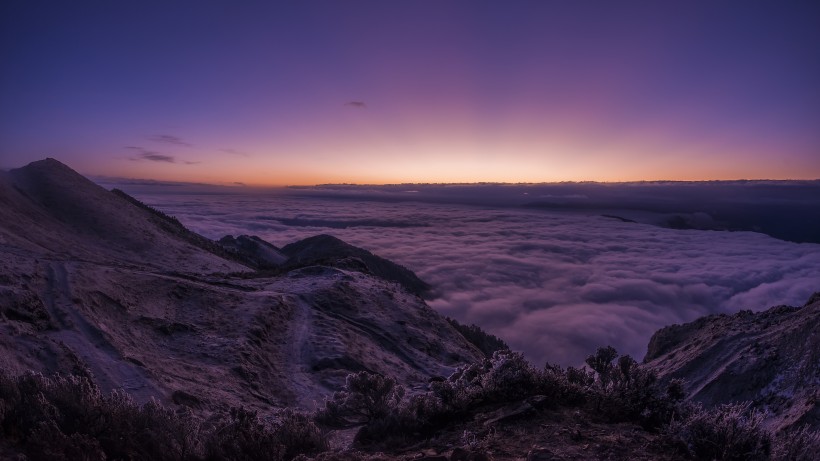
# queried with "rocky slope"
point(92, 282)
point(771, 358)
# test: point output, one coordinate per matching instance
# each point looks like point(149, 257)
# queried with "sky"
point(310, 92)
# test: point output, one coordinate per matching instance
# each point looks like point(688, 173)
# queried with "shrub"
point(67, 418)
point(624, 391)
point(366, 398)
point(601, 363)
point(298, 434)
point(727, 432)
point(505, 377)
point(568, 386)
point(796, 445)
point(68, 404)
point(241, 435)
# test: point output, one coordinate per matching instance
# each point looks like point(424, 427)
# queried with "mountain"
point(326, 249)
point(93, 282)
point(254, 251)
point(770, 358)
point(52, 211)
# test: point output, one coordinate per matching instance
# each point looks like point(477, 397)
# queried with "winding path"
point(110, 369)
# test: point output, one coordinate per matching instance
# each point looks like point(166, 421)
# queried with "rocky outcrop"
point(770, 358)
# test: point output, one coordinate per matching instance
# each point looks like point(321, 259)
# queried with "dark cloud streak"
point(153, 156)
point(356, 104)
point(169, 139)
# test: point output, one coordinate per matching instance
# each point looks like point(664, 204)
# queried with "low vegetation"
point(67, 417)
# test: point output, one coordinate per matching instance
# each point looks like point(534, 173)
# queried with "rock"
point(461, 454)
point(539, 401)
point(509, 412)
point(541, 454)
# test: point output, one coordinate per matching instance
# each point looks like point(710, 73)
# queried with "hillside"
point(97, 284)
point(770, 358)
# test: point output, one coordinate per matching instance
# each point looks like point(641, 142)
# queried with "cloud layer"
point(553, 284)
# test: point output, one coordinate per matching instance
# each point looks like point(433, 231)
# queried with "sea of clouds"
point(553, 284)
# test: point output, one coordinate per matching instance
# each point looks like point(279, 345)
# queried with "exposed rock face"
point(770, 358)
point(93, 283)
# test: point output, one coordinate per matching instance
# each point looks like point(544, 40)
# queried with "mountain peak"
point(52, 171)
point(50, 206)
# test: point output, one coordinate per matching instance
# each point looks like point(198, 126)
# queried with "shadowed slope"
point(771, 358)
point(51, 209)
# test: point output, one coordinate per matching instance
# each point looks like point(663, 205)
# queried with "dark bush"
point(241, 435)
point(796, 445)
point(366, 398)
point(624, 391)
point(726, 432)
point(505, 377)
point(67, 418)
point(298, 434)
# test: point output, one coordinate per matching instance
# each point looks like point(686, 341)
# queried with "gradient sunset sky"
point(306, 92)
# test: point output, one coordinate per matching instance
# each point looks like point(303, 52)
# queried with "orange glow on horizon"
point(454, 164)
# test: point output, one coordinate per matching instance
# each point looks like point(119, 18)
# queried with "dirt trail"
point(109, 368)
point(298, 354)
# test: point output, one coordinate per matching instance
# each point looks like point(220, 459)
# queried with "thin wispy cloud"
point(158, 158)
point(143, 154)
point(356, 104)
point(169, 139)
point(149, 155)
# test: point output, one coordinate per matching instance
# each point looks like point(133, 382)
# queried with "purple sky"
point(424, 91)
